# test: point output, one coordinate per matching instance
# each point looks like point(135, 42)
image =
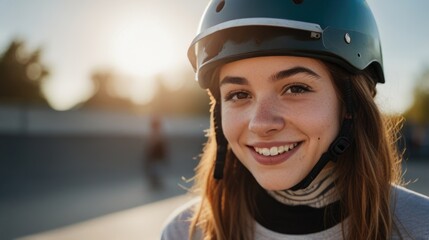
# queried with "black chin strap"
point(337, 147)
point(221, 143)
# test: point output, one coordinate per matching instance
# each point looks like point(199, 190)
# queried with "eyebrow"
point(234, 80)
point(275, 77)
point(293, 71)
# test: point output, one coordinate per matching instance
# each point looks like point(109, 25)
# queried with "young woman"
point(297, 148)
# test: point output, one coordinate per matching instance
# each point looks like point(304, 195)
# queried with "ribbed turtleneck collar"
point(320, 193)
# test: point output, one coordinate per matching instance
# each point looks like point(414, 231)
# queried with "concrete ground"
point(143, 222)
point(49, 182)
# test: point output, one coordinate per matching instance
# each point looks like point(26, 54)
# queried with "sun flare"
point(143, 48)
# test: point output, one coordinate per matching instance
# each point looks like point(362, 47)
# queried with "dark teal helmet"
point(340, 31)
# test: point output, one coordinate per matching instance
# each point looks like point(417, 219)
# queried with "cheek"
point(231, 122)
point(329, 120)
point(321, 120)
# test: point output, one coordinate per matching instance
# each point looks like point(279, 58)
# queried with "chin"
point(273, 185)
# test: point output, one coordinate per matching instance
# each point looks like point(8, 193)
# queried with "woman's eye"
point(234, 96)
point(296, 89)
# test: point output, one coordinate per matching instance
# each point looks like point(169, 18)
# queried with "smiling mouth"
point(277, 150)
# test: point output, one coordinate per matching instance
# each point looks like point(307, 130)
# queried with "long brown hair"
point(367, 171)
point(365, 174)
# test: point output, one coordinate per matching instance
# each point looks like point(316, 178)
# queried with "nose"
point(266, 118)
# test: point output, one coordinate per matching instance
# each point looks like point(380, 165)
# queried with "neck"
point(320, 193)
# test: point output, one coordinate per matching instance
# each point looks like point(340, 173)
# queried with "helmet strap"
point(221, 143)
point(340, 144)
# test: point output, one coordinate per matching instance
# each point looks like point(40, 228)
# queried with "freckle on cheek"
point(318, 138)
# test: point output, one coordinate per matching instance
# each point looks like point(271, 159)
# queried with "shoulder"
point(411, 212)
point(177, 225)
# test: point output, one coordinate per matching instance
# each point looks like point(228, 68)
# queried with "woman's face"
point(279, 114)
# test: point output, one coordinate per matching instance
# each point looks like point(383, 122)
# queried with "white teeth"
point(281, 149)
point(273, 151)
point(265, 152)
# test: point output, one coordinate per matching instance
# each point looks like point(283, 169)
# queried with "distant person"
point(156, 154)
point(297, 148)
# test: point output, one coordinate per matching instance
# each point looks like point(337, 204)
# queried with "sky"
point(142, 38)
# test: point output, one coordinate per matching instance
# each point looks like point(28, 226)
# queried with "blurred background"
point(84, 86)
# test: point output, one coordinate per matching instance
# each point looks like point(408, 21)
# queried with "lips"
point(274, 154)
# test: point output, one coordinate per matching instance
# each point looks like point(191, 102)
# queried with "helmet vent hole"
point(298, 1)
point(220, 6)
point(358, 55)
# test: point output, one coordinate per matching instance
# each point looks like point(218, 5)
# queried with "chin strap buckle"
point(339, 146)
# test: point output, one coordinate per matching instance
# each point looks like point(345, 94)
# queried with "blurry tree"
point(417, 116)
point(418, 113)
point(104, 97)
point(188, 100)
point(21, 75)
